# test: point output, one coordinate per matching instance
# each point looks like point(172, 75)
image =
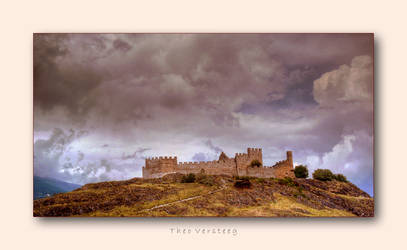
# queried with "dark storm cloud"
point(329, 50)
point(182, 94)
point(169, 74)
point(134, 155)
point(67, 85)
point(216, 149)
point(121, 45)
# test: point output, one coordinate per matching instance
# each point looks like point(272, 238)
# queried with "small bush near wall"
point(301, 171)
point(255, 163)
point(323, 175)
point(189, 178)
point(340, 177)
point(205, 179)
point(242, 183)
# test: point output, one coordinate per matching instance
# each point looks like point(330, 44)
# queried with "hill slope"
point(210, 196)
point(44, 187)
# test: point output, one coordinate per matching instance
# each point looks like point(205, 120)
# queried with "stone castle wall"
point(243, 160)
point(219, 167)
point(159, 166)
point(238, 166)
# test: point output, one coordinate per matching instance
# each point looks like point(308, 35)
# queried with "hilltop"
point(211, 196)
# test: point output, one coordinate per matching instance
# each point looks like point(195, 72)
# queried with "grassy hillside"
point(210, 196)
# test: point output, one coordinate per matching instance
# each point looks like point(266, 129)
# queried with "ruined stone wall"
point(240, 165)
point(255, 172)
point(290, 158)
point(158, 166)
point(281, 169)
point(226, 167)
point(243, 160)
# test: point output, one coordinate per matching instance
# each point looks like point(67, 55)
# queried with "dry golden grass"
point(265, 198)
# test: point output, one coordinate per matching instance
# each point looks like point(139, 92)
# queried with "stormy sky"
point(104, 102)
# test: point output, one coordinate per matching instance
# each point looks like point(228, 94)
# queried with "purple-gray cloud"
point(195, 95)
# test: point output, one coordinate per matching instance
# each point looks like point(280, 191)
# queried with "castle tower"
point(290, 158)
point(255, 154)
point(159, 166)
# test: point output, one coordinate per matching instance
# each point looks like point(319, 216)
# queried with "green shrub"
point(340, 177)
point(301, 171)
point(287, 181)
point(260, 180)
point(255, 163)
point(323, 175)
point(189, 178)
point(208, 180)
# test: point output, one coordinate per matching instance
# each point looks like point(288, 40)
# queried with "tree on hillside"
point(301, 171)
point(323, 175)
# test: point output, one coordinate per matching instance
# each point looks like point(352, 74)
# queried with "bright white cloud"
point(346, 84)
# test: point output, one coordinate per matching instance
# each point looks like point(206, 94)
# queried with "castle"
point(243, 164)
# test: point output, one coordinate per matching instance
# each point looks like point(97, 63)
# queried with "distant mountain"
point(45, 187)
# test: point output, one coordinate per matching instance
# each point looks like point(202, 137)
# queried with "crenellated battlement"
point(240, 165)
point(161, 158)
point(196, 162)
point(253, 150)
point(241, 154)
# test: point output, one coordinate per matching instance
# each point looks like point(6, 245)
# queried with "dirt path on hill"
point(183, 200)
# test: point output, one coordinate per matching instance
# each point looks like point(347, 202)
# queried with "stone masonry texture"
point(240, 165)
